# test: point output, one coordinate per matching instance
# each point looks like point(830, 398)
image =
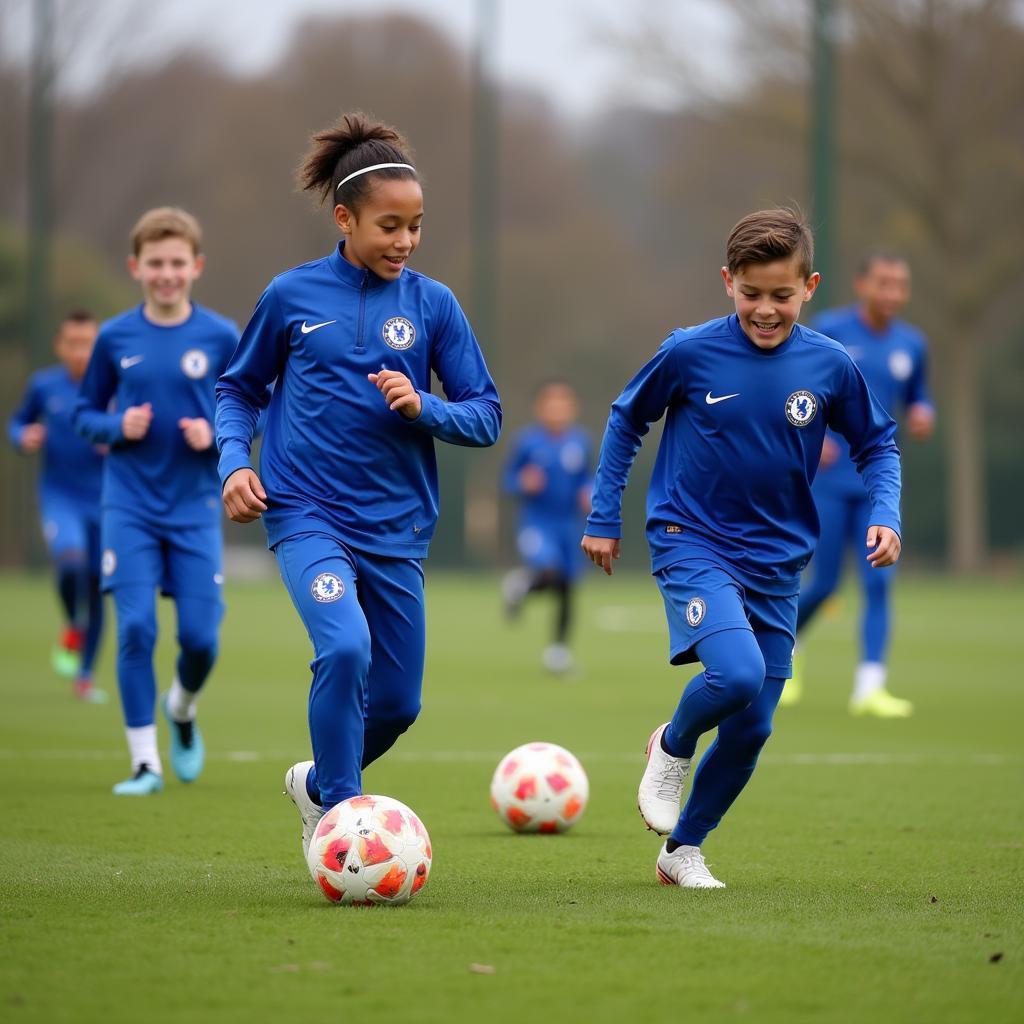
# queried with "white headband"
point(374, 167)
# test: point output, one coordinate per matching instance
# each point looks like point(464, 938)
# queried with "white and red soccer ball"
point(370, 850)
point(539, 787)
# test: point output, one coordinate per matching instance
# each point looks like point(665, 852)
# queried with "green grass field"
point(874, 869)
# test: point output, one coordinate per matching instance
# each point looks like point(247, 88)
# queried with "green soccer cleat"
point(187, 750)
point(143, 783)
point(65, 662)
point(881, 704)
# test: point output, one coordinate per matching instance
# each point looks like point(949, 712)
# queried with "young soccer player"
point(161, 510)
point(347, 488)
point(69, 497)
point(730, 518)
point(892, 357)
point(549, 471)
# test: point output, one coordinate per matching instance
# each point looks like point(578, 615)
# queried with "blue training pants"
point(364, 615)
point(844, 523)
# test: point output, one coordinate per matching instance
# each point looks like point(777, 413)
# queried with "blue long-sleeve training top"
point(894, 362)
point(564, 458)
point(334, 458)
point(71, 465)
point(174, 369)
point(732, 479)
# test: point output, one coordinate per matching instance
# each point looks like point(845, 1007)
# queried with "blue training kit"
point(161, 499)
point(69, 499)
point(551, 521)
point(351, 485)
point(894, 364)
point(731, 522)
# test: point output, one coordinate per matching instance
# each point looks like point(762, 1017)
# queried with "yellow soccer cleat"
point(881, 704)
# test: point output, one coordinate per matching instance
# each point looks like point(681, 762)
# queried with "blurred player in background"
point(730, 517)
point(892, 356)
point(69, 497)
point(347, 488)
point(161, 497)
point(549, 472)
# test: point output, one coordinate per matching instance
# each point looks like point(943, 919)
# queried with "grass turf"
point(874, 868)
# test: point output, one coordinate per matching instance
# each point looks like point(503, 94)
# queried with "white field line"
point(493, 757)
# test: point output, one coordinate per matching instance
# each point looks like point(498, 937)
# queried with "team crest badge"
point(901, 366)
point(399, 333)
point(327, 587)
point(108, 563)
point(195, 363)
point(800, 408)
point(695, 610)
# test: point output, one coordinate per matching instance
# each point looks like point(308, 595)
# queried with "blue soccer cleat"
point(143, 783)
point(187, 750)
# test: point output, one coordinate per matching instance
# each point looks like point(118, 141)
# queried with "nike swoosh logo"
point(129, 361)
point(310, 328)
point(720, 398)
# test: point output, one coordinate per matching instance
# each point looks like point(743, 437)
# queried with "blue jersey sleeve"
point(870, 432)
point(472, 414)
point(29, 411)
point(916, 390)
point(514, 464)
point(644, 401)
point(91, 417)
point(244, 389)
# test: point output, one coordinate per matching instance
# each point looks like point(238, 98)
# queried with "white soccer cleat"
point(685, 867)
point(309, 812)
point(557, 659)
point(661, 789)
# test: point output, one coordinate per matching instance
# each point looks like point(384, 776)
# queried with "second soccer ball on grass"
point(539, 787)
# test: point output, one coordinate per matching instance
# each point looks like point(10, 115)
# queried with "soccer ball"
point(369, 850)
point(539, 787)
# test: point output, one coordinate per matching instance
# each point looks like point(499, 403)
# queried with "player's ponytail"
point(336, 164)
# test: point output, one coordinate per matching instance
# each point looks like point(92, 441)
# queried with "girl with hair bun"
point(347, 488)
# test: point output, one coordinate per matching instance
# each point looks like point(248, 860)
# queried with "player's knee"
point(347, 652)
point(199, 641)
point(741, 678)
point(136, 634)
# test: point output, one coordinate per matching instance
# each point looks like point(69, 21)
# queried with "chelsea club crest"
point(327, 587)
point(194, 363)
point(399, 333)
point(695, 610)
point(800, 408)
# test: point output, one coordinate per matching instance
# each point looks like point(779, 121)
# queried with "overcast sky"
point(557, 46)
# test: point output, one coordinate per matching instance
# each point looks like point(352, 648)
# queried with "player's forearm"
point(98, 427)
point(234, 428)
point(618, 450)
point(473, 423)
point(880, 470)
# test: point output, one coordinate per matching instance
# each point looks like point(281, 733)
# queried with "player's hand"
point(198, 433)
point(920, 421)
point(883, 546)
point(244, 497)
point(602, 551)
point(532, 479)
point(136, 420)
point(399, 392)
point(33, 437)
point(829, 453)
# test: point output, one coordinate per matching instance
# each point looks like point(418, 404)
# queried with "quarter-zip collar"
point(348, 273)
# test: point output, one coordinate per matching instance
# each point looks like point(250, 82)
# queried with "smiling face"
point(385, 230)
point(166, 269)
point(768, 298)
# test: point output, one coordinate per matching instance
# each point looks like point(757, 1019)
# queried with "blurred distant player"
point(549, 471)
point(69, 497)
point(161, 496)
point(892, 357)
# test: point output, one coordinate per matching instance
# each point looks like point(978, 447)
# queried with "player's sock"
point(671, 845)
point(142, 746)
point(181, 703)
point(69, 587)
point(869, 677)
